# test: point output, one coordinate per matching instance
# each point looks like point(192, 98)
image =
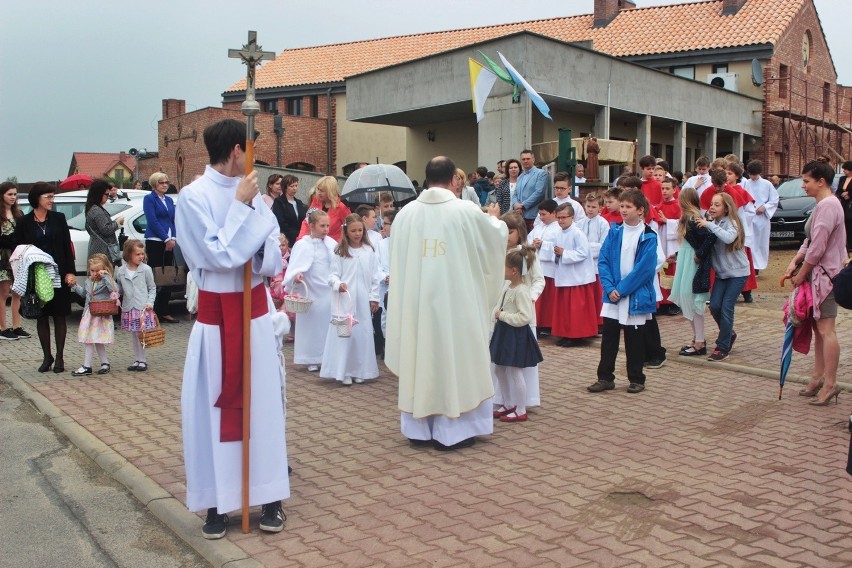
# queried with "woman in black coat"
point(289, 211)
point(48, 230)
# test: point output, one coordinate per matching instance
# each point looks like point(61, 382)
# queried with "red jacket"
point(336, 217)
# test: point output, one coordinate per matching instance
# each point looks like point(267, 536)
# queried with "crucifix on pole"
point(251, 54)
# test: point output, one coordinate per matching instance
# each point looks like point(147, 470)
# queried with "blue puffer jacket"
point(639, 283)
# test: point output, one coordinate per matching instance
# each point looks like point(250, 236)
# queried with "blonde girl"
point(135, 281)
point(534, 280)
point(96, 332)
point(691, 283)
point(730, 264)
point(354, 281)
point(513, 345)
point(309, 264)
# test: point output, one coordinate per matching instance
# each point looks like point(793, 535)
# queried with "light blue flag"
point(534, 96)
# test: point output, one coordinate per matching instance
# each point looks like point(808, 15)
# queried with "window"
point(294, 106)
point(783, 78)
point(687, 72)
point(304, 166)
point(271, 106)
point(349, 168)
point(721, 68)
point(656, 150)
point(314, 106)
point(118, 175)
point(826, 97)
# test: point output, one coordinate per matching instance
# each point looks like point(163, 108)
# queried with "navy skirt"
point(514, 346)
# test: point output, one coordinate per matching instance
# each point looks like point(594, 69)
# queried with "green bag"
point(43, 283)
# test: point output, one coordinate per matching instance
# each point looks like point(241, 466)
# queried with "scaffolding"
point(814, 118)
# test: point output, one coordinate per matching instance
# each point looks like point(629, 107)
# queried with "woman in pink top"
point(821, 257)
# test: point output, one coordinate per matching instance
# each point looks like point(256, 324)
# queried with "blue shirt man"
point(530, 188)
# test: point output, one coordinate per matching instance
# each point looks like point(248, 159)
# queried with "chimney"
point(607, 10)
point(731, 7)
point(173, 107)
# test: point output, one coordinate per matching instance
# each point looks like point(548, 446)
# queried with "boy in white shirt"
point(542, 238)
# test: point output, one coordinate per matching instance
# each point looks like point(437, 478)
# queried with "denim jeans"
point(722, 299)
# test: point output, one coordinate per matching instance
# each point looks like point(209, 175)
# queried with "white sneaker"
point(347, 381)
point(359, 380)
point(313, 368)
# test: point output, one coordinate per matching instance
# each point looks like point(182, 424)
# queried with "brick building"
point(804, 111)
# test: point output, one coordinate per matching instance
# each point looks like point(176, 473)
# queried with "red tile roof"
point(639, 31)
point(99, 164)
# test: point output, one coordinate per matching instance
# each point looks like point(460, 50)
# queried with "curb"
point(170, 511)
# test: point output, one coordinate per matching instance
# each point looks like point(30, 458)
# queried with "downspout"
point(328, 133)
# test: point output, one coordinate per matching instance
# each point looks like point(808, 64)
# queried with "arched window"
point(349, 168)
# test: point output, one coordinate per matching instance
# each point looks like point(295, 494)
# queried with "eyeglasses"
point(49, 196)
point(164, 181)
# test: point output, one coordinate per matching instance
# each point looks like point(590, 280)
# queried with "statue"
point(592, 151)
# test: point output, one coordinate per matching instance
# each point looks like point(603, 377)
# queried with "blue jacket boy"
point(639, 283)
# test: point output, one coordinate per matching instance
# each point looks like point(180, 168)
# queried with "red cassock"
point(574, 311)
point(671, 209)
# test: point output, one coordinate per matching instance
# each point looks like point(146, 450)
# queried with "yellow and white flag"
point(481, 81)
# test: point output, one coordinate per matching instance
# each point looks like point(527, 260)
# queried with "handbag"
point(113, 250)
point(104, 307)
point(169, 275)
point(842, 286)
point(30, 304)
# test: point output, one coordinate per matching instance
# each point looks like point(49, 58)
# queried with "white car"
point(128, 205)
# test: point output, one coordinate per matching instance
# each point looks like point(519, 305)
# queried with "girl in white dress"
point(354, 281)
point(310, 261)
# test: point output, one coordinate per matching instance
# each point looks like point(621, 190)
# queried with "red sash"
point(225, 311)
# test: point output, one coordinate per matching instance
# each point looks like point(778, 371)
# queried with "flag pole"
point(251, 54)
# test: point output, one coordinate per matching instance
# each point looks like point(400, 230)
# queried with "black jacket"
point(63, 255)
point(289, 223)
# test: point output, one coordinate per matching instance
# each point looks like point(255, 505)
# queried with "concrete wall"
point(455, 139)
point(364, 142)
point(498, 133)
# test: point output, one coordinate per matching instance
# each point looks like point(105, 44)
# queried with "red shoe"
point(502, 411)
point(514, 417)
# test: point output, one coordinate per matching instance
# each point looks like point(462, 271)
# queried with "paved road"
point(61, 509)
point(705, 468)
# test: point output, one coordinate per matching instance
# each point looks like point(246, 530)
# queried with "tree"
point(13, 179)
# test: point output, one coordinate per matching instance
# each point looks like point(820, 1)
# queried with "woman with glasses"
point(48, 230)
point(160, 237)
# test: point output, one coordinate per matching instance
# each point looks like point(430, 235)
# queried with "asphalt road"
point(58, 508)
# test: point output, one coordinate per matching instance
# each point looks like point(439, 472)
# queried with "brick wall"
point(803, 93)
point(181, 141)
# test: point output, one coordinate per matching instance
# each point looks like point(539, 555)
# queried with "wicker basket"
point(344, 324)
point(103, 308)
point(297, 304)
point(154, 337)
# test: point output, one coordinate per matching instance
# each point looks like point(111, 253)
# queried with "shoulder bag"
point(30, 304)
point(114, 251)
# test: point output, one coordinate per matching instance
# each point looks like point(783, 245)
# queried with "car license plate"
point(781, 234)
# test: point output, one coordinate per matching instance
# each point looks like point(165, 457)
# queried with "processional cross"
point(251, 54)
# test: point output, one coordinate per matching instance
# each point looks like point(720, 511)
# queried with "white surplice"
point(218, 235)
point(311, 258)
point(447, 269)
point(765, 195)
point(353, 356)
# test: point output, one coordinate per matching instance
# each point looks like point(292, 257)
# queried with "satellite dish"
point(756, 73)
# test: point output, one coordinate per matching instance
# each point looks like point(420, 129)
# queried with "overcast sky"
point(89, 76)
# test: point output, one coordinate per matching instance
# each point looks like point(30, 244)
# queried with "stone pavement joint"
point(706, 467)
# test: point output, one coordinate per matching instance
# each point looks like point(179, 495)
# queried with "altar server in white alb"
point(765, 202)
point(224, 224)
point(354, 281)
point(307, 275)
point(447, 272)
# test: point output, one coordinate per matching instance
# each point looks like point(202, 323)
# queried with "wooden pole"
point(247, 362)
point(251, 54)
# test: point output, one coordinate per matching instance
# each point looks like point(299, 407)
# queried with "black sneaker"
point(215, 526)
point(635, 387)
point(8, 335)
point(655, 363)
point(718, 355)
point(19, 331)
point(272, 517)
point(601, 386)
